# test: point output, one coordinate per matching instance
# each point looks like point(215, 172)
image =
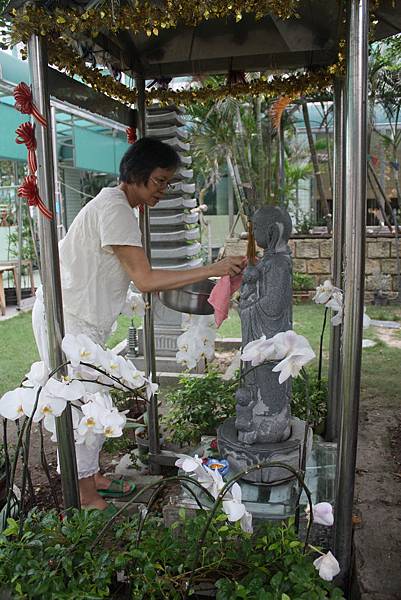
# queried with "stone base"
point(167, 364)
point(165, 340)
point(242, 456)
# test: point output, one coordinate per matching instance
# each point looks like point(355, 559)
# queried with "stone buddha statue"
point(263, 405)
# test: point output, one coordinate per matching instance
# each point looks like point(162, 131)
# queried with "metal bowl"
point(191, 299)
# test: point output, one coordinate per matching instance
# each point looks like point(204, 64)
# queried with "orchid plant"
point(292, 350)
point(235, 510)
point(90, 373)
point(331, 297)
point(197, 341)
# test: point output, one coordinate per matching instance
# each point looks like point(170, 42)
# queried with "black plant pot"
point(380, 299)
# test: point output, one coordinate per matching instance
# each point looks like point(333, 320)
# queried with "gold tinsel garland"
point(61, 25)
point(140, 17)
point(295, 85)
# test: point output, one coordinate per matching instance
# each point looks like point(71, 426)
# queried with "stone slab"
point(385, 324)
point(228, 343)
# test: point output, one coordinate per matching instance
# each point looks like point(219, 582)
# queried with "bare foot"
point(89, 496)
point(102, 483)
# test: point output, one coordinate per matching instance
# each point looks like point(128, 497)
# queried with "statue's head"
point(272, 227)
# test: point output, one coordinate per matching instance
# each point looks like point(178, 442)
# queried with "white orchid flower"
point(113, 423)
point(366, 319)
point(66, 389)
point(324, 292)
point(286, 342)
point(103, 400)
point(185, 341)
point(109, 362)
point(299, 353)
point(53, 398)
point(258, 351)
point(38, 374)
point(337, 319)
point(130, 374)
point(80, 348)
point(327, 565)
point(14, 402)
point(151, 389)
point(189, 464)
point(211, 479)
point(90, 424)
point(232, 367)
point(134, 304)
point(234, 508)
point(336, 304)
point(322, 513)
point(186, 359)
point(292, 364)
point(207, 351)
point(47, 405)
point(246, 522)
point(49, 422)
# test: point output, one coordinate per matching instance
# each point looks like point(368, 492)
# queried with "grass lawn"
point(18, 349)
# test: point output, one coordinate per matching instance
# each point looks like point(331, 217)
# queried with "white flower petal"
point(234, 510)
point(38, 374)
point(13, 404)
point(246, 522)
point(327, 565)
point(322, 513)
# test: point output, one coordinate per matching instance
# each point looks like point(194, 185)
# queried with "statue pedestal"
point(242, 456)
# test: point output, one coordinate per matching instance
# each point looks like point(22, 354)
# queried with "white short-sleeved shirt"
point(94, 283)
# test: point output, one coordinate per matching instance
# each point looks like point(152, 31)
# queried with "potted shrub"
point(302, 283)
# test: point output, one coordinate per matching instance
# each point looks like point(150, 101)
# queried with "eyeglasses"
point(163, 185)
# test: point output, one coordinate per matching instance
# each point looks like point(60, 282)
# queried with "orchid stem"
point(319, 373)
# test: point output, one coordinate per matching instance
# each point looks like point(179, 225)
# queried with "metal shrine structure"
point(312, 39)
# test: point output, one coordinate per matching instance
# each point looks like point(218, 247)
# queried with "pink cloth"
point(221, 296)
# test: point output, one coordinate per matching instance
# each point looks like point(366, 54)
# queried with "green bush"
point(317, 400)
point(302, 282)
point(198, 406)
point(62, 560)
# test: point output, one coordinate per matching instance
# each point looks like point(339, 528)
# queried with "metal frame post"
point(355, 207)
point(148, 323)
point(334, 379)
point(50, 267)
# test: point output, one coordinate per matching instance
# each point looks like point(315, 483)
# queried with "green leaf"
point(12, 529)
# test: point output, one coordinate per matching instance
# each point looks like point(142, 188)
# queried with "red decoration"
point(131, 135)
point(24, 102)
point(29, 190)
point(26, 135)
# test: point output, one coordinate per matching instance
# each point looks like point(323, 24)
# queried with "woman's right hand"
point(231, 265)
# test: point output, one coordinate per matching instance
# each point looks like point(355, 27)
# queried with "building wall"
point(312, 255)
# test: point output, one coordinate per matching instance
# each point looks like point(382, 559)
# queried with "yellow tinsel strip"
point(141, 17)
point(294, 85)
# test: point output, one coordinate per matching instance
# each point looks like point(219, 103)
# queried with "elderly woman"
point(99, 257)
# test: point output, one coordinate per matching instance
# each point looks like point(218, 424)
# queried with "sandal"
point(116, 489)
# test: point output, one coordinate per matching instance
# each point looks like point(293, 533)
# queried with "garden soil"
point(377, 533)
